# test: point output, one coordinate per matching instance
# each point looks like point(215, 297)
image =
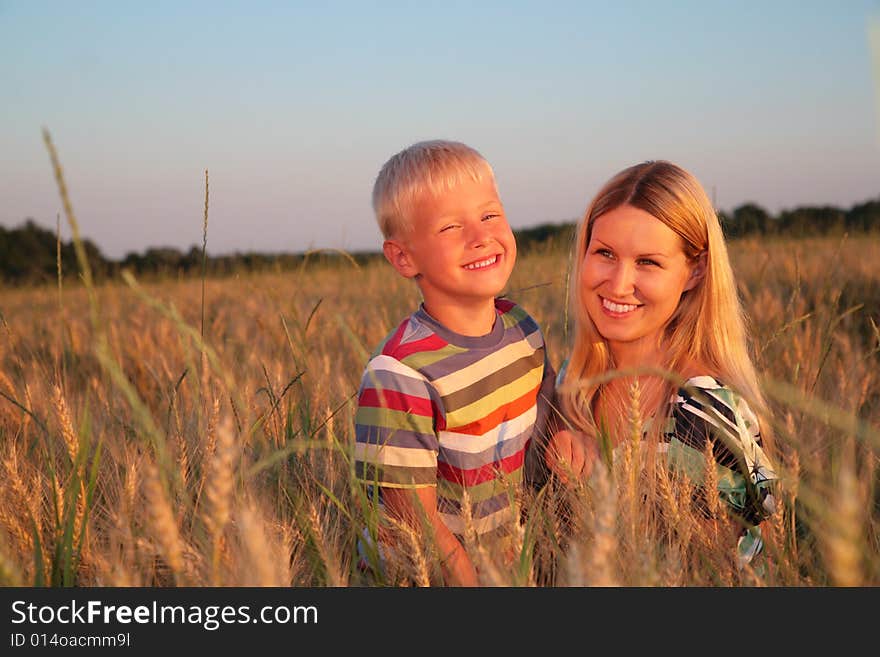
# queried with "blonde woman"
point(654, 303)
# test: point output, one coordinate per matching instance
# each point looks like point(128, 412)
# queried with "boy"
point(449, 401)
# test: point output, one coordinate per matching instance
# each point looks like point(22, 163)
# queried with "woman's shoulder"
point(704, 382)
point(704, 408)
point(711, 399)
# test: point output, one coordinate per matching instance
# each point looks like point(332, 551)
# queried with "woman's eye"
point(605, 253)
point(649, 262)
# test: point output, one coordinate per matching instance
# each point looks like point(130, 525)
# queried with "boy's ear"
point(398, 255)
point(698, 272)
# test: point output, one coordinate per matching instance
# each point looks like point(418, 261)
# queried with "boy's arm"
point(547, 422)
point(418, 509)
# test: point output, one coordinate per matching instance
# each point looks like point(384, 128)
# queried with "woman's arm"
point(570, 455)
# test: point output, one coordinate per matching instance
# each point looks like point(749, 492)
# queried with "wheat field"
point(148, 440)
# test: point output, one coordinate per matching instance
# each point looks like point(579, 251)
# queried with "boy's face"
point(459, 246)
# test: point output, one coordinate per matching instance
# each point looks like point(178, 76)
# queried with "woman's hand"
point(570, 455)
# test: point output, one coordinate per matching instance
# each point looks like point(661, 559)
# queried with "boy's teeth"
point(482, 263)
point(618, 307)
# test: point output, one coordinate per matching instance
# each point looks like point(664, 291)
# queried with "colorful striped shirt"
point(436, 408)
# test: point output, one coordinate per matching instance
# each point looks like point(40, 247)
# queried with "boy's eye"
point(490, 215)
point(447, 227)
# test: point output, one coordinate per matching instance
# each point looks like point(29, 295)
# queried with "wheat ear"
point(162, 520)
point(218, 492)
point(602, 570)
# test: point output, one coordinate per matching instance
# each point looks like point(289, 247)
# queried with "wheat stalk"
point(71, 442)
point(842, 539)
point(6, 384)
point(417, 557)
point(679, 522)
point(632, 462)
point(601, 569)
point(487, 571)
point(68, 433)
point(331, 566)
point(575, 566)
point(161, 516)
point(218, 491)
point(26, 423)
point(258, 556)
point(20, 501)
point(710, 483)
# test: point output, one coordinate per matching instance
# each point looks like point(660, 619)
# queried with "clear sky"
point(293, 108)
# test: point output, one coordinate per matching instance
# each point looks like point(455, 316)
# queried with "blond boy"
point(452, 397)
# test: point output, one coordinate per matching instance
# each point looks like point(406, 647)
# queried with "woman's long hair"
point(707, 328)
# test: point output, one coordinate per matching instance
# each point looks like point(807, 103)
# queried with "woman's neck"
point(622, 401)
point(636, 355)
point(640, 356)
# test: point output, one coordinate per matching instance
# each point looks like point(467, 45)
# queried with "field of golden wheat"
point(147, 439)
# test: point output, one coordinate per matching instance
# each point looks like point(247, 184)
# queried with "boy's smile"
point(461, 251)
point(488, 262)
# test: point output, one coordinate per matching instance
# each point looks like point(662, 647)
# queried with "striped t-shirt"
point(436, 408)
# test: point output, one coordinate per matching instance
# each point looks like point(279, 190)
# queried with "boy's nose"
point(479, 235)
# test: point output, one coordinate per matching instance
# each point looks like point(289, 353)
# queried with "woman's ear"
point(398, 255)
point(698, 271)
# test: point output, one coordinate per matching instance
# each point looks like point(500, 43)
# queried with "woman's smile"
point(615, 309)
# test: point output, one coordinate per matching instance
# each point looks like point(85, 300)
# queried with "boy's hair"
point(427, 167)
point(709, 324)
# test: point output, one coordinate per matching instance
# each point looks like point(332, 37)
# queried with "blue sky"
point(293, 108)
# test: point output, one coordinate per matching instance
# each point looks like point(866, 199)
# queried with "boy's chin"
point(486, 292)
point(468, 298)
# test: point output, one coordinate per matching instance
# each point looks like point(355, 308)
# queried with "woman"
point(653, 294)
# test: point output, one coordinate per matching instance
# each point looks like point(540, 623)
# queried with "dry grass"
point(163, 458)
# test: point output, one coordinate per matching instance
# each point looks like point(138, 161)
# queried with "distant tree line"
point(751, 219)
point(28, 253)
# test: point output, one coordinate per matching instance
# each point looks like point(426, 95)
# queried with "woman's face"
point(633, 275)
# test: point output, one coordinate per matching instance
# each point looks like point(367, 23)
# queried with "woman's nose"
point(622, 280)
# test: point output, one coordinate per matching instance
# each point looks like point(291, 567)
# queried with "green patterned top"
point(704, 409)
